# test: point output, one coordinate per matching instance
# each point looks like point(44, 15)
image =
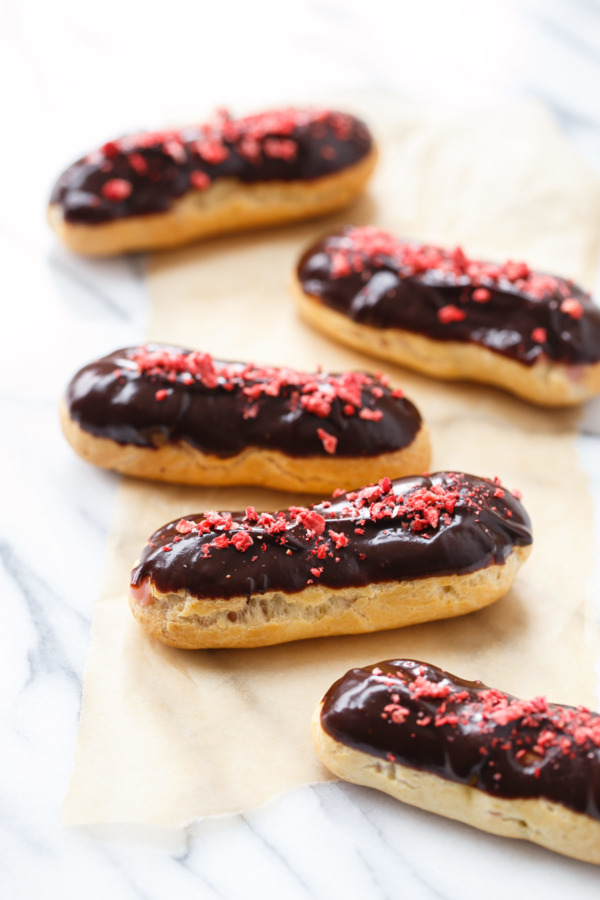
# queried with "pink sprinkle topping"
point(539, 335)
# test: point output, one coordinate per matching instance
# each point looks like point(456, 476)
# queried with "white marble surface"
point(74, 73)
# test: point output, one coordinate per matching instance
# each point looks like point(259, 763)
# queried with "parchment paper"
point(168, 736)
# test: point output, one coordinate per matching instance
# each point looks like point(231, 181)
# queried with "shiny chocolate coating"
point(379, 534)
point(468, 733)
point(512, 321)
point(283, 145)
point(112, 398)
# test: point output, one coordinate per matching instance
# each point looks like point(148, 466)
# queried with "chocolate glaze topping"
point(144, 173)
point(151, 395)
point(422, 717)
point(375, 279)
point(449, 523)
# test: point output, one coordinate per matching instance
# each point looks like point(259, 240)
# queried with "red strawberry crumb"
point(241, 540)
point(199, 180)
point(138, 163)
point(312, 521)
point(213, 152)
point(338, 538)
point(184, 526)
point(328, 152)
point(161, 395)
point(250, 412)
point(451, 313)
point(572, 307)
point(539, 335)
point(366, 247)
point(340, 267)
point(398, 714)
point(329, 441)
point(317, 572)
point(116, 189)
point(174, 148)
point(110, 149)
point(317, 404)
point(280, 149)
point(371, 415)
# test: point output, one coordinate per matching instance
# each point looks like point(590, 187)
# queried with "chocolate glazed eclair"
point(441, 313)
point(388, 555)
point(169, 414)
point(519, 768)
point(159, 189)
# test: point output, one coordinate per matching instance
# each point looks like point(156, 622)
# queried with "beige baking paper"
point(168, 736)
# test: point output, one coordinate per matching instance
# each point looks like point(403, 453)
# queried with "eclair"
point(448, 316)
point(160, 189)
point(519, 768)
point(168, 414)
point(388, 555)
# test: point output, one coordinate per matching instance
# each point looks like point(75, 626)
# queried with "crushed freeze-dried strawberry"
point(451, 313)
point(116, 189)
point(572, 307)
point(199, 180)
point(329, 441)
